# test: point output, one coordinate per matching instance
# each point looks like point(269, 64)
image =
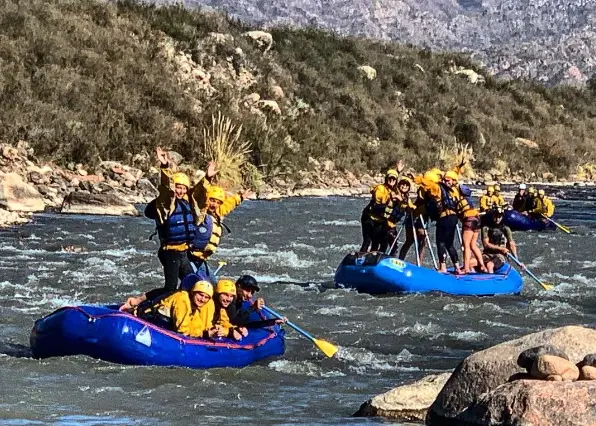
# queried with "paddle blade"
point(326, 347)
point(547, 286)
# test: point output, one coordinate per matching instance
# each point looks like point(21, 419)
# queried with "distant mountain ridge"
point(551, 41)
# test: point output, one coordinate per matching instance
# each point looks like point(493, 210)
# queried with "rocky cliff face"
point(551, 41)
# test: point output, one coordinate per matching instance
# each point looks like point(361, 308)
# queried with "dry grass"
point(222, 144)
point(452, 154)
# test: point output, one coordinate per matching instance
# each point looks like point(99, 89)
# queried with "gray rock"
point(484, 371)
point(526, 358)
point(97, 204)
point(535, 402)
point(146, 187)
point(589, 360)
point(405, 403)
point(17, 195)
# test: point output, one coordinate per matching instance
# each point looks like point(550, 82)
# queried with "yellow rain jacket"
point(487, 202)
point(199, 203)
point(402, 206)
point(185, 318)
point(464, 209)
point(544, 206)
point(434, 191)
point(378, 209)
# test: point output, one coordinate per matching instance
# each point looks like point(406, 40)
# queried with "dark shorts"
point(472, 224)
point(497, 259)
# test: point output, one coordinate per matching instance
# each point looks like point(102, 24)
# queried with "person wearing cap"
point(211, 204)
point(497, 240)
point(519, 201)
point(377, 211)
point(245, 306)
point(488, 200)
point(185, 312)
point(543, 206)
point(443, 208)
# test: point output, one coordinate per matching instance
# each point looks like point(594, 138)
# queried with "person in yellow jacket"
point(443, 208)
point(225, 293)
point(488, 200)
point(211, 204)
point(175, 222)
point(544, 206)
point(400, 206)
point(376, 213)
point(186, 312)
point(498, 198)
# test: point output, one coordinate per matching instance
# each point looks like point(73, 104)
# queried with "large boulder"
point(485, 370)
point(537, 403)
point(263, 40)
point(100, 204)
point(405, 403)
point(17, 195)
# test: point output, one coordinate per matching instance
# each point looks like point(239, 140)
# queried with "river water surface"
point(292, 247)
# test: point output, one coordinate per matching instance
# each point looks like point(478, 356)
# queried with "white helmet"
point(522, 186)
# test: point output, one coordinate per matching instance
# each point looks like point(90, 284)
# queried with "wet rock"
point(16, 195)
point(554, 368)
point(97, 204)
point(538, 403)
point(527, 358)
point(484, 371)
point(405, 403)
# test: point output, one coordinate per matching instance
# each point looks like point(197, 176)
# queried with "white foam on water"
point(302, 246)
point(288, 259)
point(256, 250)
point(33, 237)
point(362, 360)
point(337, 222)
point(123, 252)
point(458, 307)
point(268, 279)
point(344, 248)
point(382, 313)
point(420, 330)
point(334, 311)
point(553, 307)
point(303, 368)
point(108, 389)
point(87, 236)
point(468, 335)
point(500, 324)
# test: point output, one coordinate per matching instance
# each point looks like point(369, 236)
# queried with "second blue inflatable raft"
point(376, 273)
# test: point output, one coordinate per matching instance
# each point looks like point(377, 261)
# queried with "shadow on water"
point(15, 350)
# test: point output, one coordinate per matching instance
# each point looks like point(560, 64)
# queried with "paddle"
point(544, 285)
point(415, 240)
point(432, 252)
point(390, 249)
point(558, 225)
point(220, 265)
point(325, 347)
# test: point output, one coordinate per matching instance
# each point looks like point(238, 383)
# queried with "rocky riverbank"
point(544, 378)
point(28, 185)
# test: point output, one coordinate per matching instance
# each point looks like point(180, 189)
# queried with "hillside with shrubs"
point(84, 81)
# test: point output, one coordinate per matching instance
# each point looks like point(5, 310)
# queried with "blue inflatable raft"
point(518, 222)
point(104, 333)
point(376, 273)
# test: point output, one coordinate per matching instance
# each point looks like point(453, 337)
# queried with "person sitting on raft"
point(488, 200)
point(186, 312)
point(225, 292)
point(519, 201)
point(377, 212)
point(497, 240)
point(543, 207)
point(244, 306)
point(499, 199)
point(530, 201)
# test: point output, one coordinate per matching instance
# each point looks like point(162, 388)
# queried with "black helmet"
point(248, 282)
point(498, 210)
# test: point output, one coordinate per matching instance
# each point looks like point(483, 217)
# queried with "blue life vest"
point(180, 226)
point(203, 233)
point(447, 202)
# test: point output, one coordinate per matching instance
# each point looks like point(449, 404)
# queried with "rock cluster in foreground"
point(542, 379)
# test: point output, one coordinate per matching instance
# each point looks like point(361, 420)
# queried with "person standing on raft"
point(470, 220)
point(401, 206)
point(377, 211)
point(443, 209)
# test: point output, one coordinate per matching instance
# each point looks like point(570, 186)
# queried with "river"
point(293, 247)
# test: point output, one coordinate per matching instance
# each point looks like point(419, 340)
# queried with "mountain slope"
point(540, 40)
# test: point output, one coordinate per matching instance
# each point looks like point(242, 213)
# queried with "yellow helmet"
point(226, 286)
point(497, 188)
point(490, 189)
point(217, 193)
point(404, 180)
point(432, 176)
point(541, 193)
point(181, 179)
point(202, 287)
point(391, 173)
point(452, 175)
point(531, 190)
